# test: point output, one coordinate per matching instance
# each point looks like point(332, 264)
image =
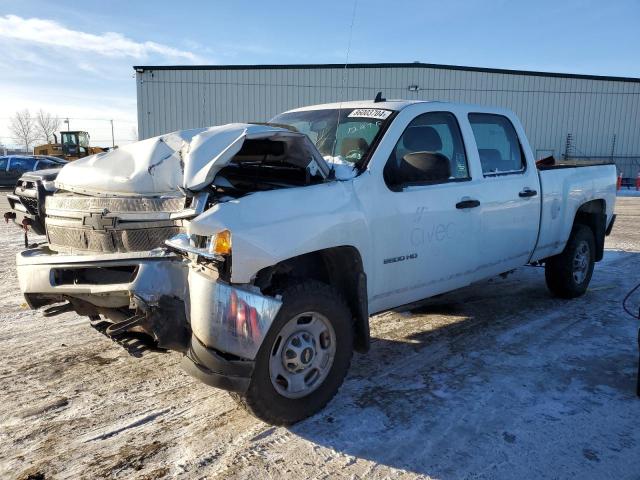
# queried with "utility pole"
point(113, 141)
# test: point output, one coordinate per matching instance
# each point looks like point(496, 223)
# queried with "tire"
point(271, 399)
point(569, 273)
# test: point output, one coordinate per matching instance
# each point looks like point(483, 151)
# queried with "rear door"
point(18, 166)
point(509, 197)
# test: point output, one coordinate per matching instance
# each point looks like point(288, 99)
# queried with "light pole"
point(113, 142)
point(66, 120)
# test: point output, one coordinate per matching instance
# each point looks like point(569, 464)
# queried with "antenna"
point(344, 74)
point(379, 98)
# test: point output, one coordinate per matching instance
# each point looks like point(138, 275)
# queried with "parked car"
point(13, 166)
point(284, 238)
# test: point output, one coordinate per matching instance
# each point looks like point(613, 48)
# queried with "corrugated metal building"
point(563, 114)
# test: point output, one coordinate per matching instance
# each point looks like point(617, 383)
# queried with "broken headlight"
point(220, 243)
point(214, 247)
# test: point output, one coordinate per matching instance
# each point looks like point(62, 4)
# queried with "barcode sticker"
point(370, 113)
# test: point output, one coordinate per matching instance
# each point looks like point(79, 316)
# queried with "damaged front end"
point(137, 298)
point(107, 222)
point(228, 324)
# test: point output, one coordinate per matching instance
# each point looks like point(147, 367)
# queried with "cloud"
point(109, 44)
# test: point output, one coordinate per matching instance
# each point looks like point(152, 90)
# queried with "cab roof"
point(395, 105)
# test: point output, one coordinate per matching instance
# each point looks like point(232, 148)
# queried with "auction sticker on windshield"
point(370, 113)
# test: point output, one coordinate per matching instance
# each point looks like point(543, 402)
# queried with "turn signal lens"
point(221, 243)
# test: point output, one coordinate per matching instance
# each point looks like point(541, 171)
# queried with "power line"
point(87, 119)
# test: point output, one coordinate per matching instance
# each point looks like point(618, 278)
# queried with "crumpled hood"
point(188, 158)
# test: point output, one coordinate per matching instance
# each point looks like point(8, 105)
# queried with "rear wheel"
point(304, 358)
point(569, 273)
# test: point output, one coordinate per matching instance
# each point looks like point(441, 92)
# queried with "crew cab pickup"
point(259, 251)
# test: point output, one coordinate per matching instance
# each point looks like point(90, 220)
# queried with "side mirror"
point(424, 167)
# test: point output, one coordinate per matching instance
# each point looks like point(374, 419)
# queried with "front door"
point(426, 231)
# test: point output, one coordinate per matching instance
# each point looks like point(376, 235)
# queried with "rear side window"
point(21, 164)
point(498, 145)
point(42, 164)
point(3, 164)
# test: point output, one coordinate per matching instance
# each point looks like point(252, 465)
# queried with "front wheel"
point(304, 357)
point(569, 273)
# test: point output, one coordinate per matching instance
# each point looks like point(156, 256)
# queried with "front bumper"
point(18, 207)
point(228, 327)
point(211, 368)
point(103, 280)
point(227, 318)
point(227, 323)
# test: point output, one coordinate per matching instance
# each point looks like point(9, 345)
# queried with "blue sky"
point(74, 58)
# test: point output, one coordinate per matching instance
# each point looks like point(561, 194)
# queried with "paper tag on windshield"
point(370, 113)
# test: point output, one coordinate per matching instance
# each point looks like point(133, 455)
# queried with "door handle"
point(527, 192)
point(468, 204)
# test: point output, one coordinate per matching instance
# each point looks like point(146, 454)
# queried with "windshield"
point(341, 136)
point(68, 138)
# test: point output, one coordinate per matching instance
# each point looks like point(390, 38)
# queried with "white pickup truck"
point(283, 238)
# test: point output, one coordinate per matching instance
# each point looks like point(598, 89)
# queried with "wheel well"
point(341, 267)
point(593, 214)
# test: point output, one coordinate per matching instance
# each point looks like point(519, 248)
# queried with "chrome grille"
point(109, 241)
point(110, 225)
point(31, 204)
point(116, 205)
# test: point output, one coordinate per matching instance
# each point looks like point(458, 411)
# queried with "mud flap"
point(362, 341)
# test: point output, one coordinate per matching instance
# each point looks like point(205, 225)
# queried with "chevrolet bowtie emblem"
point(97, 221)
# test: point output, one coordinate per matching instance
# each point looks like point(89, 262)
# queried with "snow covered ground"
point(498, 380)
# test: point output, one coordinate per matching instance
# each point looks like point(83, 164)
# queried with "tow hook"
point(26, 223)
point(122, 327)
point(57, 310)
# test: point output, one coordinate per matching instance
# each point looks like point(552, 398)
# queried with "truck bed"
point(564, 188)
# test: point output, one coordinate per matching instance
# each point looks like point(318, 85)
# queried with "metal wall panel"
point(550, 107)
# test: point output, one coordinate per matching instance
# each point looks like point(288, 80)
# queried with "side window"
point(498, 145)
point(42, 164)
point(21, 165)
point(3, 164)
point(434, 133)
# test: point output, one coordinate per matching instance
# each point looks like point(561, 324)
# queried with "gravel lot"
point(498, 380)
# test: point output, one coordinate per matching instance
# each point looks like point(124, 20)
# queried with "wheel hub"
point(298, 352)
point(302, 355)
